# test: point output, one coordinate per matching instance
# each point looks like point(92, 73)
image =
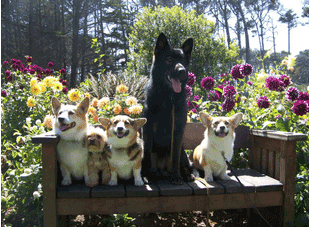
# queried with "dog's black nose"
point(91, 142)
point(61, 119)
point(222, 128)
point(120, 129)
point(180, 68)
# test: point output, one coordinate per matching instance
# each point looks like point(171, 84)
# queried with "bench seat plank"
point(147, 190)
point(168, 189)
point(199, 188)
point(106, 191)
point(73, 191)
point(261, 182)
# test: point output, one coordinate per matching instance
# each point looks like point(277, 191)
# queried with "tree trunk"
point(75, 43)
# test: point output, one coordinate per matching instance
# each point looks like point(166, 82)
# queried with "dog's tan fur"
point(218, 141)
point(126, 149)
point(97, 160)
point(71, 125)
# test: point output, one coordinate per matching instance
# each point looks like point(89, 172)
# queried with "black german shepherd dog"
point(166, 111)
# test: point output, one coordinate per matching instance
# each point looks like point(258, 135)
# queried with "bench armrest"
point(286, 136)
point(274, 153)
point(48, 137)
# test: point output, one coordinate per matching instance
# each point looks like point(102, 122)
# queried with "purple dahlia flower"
point(207, 83)
point(263, 102)
point(292, 94)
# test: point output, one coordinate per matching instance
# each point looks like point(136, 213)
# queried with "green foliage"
point(104, 84)
point(178, 25)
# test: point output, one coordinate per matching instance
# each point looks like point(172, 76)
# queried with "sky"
point(299, 35)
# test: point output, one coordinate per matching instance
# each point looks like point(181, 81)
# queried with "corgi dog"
point(97, 160)
point(218, 141)
point(126, 149)
point(71, 125)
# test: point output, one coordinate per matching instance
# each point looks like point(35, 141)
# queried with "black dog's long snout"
point(180, 69)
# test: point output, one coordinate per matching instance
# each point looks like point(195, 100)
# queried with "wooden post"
point(49, 181)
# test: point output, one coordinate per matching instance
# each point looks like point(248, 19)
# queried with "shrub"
point(178, 25)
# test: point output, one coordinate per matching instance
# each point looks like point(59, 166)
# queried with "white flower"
point(34, 128)
point(27, 171)
point(38, 122)
point(39, 187)
point(36, 195)
point(28, 120)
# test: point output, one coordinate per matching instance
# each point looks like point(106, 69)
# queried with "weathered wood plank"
point(106, 191)
point(73, 191)
point(49, 179)
point(67, 206)
point(199, 188)
point(261, 182)
point(145, 190)
point(233, 186)
point(168, 189)
point(48, 137)
point(286, 136)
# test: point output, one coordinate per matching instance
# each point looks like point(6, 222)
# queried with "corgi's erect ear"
point(161, 45)
point(56, 105)
point(236, 119)
point(187, 47)
point(83, 106)
point(206, 119)
point(139, 122)
point(106, 122)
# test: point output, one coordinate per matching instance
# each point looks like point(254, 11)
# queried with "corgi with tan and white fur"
point(126, 149)
point(71, 125)
point(218, 140)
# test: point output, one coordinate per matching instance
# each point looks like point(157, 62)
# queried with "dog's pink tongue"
point(221, 135)
point(176, 85)
point(62, 127)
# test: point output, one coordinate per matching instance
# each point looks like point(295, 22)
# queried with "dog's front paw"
point(112, 182)
point(225, 177)
point(66, 181)
point(209, 178)
point(138, 182)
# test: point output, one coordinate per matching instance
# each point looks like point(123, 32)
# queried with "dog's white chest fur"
point(74, 156)
point(121, 162)
point(213, 147)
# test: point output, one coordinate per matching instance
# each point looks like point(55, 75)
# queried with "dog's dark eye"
point(226, 123)
point(60, 112)
point(216, 123)
point(71, 112)
point(169, 60)
point(99, 137)
point(116, 122)
point(126, 123)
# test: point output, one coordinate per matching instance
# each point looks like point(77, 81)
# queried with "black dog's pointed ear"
point(161, 45)
point(187, 47)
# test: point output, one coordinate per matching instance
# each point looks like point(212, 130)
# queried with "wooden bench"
point(269, 180)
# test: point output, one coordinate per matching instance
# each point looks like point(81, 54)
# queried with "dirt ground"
point(196, 218)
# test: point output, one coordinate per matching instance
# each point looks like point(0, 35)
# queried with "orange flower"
point(117, 109)
point(121, 88)
point(126, 111)
point(103, 102)
point(48, 121)
point(136, 109)
point(95, 118)
point(92, 110)
point(94, 102)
